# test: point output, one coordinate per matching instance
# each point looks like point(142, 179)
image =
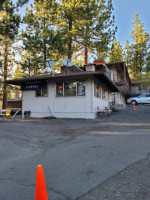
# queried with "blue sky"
point(124, 11)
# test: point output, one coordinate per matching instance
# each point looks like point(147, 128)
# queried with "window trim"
point(103, 90)
point(76, 89)
point(99, 90)
point(41, 92)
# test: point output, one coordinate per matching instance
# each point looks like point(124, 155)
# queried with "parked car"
point(144, 98)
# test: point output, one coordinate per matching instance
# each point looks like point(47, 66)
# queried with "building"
point(73, 93)
point(139, 87)
point(120, 77)
point(14, 103)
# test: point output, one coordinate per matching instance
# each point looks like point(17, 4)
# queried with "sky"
point(124, 11)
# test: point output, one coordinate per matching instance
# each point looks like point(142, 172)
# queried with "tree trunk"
point(44, 54)
point(29, 71)
point(70, 38)
point(86, 55)
point(5, 75)
point(44, 44)
point(86, 46)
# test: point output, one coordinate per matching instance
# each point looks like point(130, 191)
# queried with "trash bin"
point(27, 114)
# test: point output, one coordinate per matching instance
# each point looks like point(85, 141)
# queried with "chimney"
point(90, 67)
point(100, 61)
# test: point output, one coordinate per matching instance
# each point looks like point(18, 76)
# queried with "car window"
point(147, 95)
point(142, 96)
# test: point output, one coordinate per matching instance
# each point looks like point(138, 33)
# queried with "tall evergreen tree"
point(9, 23)
point(105, 30)
point(40, 38)
point(128, 51)
point(87, 24)
point(147, 67)
point(18, 3)
point(116, 52)
point(97, 27)
point(67, 16)
point(140, 46)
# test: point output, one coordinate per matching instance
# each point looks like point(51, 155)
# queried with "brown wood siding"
point(14, 104)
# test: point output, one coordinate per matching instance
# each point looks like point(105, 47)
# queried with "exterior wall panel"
point(61, 107)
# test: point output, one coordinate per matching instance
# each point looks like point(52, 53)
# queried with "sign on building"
point(34, 85)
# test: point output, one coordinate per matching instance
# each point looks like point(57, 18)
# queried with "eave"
point(65, 77)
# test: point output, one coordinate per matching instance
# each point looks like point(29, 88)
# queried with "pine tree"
point(67, 17)
point(40, 39)
point(18, 73)
point(147, 67)
point(128, 55)
point(30, 63)
point(140, 46)
point(18, 3)
point(105, 30)
point(87, 25)
point(9, 23)
point(116, 52)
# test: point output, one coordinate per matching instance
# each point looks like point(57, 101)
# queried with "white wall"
point(35, 104)
point(119, 99)
point(98, 102)
point(60, 107)
point(74, 107)
point(65, 107)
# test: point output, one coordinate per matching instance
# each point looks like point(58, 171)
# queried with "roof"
point(66, 77)
point(115, 63)
point(136, 79)
point(12, 100)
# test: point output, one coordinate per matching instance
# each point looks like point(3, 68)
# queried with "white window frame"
point(76, 89)
point(41, 91)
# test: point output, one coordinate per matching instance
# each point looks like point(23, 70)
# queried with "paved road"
point(82, 159)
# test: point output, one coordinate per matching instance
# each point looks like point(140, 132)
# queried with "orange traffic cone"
point(40, 193)
point(134, 107)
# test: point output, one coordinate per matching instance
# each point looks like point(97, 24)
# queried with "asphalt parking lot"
point(106, 158)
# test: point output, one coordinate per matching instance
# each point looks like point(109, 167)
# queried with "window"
point(59, 89)
point(147, 95)
point(42, 93)
point(70, 88)
point(81, 88)
point(97, 90)
point(142, 96)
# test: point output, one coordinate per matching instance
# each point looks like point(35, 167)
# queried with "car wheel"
point(133, 102)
